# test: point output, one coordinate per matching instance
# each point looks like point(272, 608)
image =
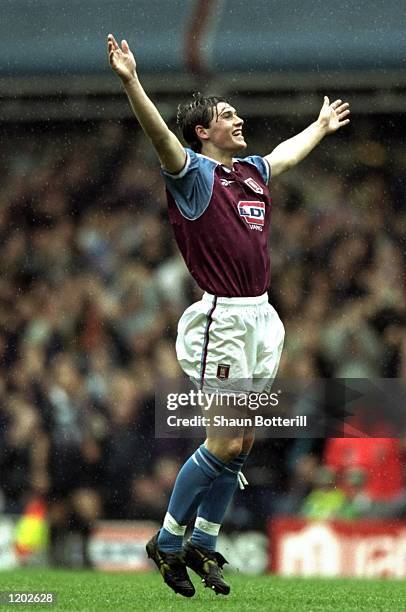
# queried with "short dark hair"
point(198, 112)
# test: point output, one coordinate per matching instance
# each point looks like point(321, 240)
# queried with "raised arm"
point(167, 146)
point(291, 152)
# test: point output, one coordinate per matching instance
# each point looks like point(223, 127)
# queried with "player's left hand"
point(333, 116)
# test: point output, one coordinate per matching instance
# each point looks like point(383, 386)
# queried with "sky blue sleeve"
point(193, 186)
point(262, 166)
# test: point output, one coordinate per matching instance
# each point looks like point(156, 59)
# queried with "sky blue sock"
point(212, 510)
point(192, 483)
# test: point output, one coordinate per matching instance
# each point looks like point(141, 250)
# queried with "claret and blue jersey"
point(221, 220)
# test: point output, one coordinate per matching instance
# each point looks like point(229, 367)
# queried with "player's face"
point(225, 129)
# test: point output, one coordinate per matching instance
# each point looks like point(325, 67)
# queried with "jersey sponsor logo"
point(223, 371)
point(254, 185)
point(253, 213)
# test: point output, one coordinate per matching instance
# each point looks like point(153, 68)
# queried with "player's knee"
point(233, 448)
point(225, 449)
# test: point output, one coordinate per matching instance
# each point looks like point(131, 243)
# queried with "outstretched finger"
point(336, 104)
point(111, 51)
point(342, 108)
point(343, 114)
point(112, 40)
point(345, 122)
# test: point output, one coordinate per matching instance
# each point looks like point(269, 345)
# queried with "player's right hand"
point(121, 59)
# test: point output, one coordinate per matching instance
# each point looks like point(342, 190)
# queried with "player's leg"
point(200, 551)
point(227, 364)
point(201, 345)
point(237, 342)
point(267, 340)
point(194, 480)
point(192, 483)
point(211, 511)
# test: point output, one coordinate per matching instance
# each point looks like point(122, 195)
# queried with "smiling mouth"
point(237, 133)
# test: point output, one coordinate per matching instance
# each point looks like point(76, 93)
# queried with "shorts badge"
point(223, 371)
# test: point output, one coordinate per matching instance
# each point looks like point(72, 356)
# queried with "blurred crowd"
point(92, 287)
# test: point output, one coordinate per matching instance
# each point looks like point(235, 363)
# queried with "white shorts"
point(230, 343)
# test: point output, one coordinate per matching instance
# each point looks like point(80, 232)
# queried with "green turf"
point(93, 591)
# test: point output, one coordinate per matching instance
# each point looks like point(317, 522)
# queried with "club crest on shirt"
point(253, 213)
point(253, 185)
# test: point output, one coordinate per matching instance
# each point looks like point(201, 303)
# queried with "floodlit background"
point(92, 284)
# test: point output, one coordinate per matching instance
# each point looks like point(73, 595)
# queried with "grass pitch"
point(93, 591)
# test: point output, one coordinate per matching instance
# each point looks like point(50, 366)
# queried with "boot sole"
point(150, 553)
point(217, 589)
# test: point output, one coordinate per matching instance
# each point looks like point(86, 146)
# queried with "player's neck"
point(223, 157)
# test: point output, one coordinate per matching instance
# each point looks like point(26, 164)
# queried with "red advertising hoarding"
point(368, 548)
